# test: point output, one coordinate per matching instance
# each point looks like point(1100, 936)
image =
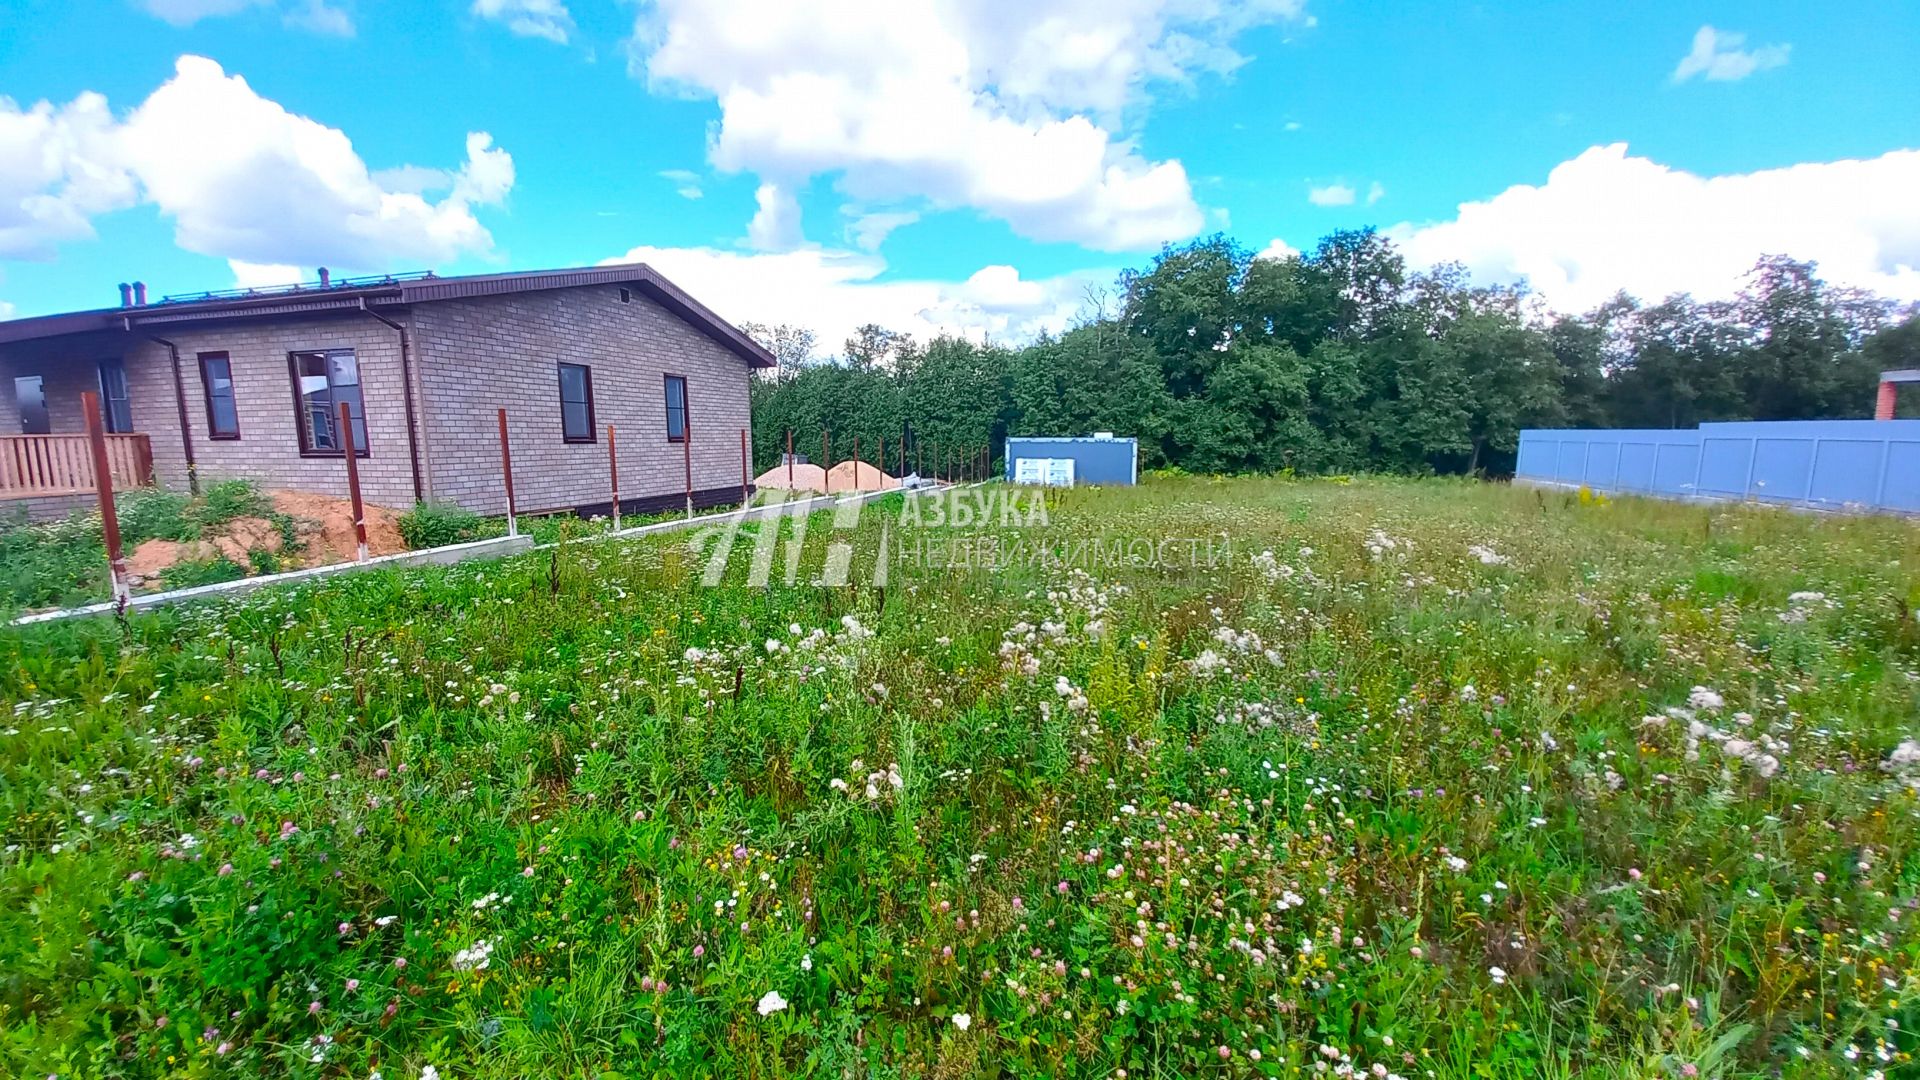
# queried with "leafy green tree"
point(1342, 360)
point(1186, 307)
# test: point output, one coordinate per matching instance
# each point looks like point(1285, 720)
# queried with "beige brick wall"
point(471, 357)
point(268, 449)
point(476, 356)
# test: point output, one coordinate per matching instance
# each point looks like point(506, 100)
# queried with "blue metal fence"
point(1830, 464)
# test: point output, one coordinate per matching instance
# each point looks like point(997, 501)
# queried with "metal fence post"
point(686, 454)
point(613, 471)
point(103, 483)
point(506, 473)
point(350, 452)
point(789, 460)
point(744, 482)
point(826, 462)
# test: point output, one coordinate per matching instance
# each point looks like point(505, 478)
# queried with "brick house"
point(248, 384)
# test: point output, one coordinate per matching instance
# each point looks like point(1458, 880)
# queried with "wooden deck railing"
point(33, 465)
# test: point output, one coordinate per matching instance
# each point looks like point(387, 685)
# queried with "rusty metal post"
point(826, 460)
point(506, 474)
point(856, 463)
point(686, 453)
point(880, 457)
point(103, 482)
point(353, 483)
point(744, 483)
point(789, 460)
point(613, 471)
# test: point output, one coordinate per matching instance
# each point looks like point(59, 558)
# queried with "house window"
point(576, 402)
point(676, 408)
point(321, 381)
point(115, 410)
point(216, 378)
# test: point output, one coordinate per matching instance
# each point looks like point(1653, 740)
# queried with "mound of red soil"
point(323, 524)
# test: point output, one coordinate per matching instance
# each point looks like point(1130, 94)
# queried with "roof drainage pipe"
point(406, 390)
point(180, 402)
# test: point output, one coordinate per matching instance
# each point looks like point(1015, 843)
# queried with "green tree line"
point(1340, 359)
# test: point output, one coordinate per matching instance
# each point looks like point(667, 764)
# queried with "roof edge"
point(390, 292)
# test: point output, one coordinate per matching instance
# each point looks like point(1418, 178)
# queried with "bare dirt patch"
point(322, 527)
point(325, 524)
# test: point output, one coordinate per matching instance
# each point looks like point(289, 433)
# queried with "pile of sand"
point(805, 478)
point(322, 525)
point(859, 476)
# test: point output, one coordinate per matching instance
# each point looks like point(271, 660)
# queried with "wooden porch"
point(35, 466)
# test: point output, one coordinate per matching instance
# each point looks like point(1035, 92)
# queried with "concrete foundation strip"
point(496, 548)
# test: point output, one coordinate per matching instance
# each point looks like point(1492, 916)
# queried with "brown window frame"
point(299, 405)
point(686, 407)
point(206, 394)
point(586, 373)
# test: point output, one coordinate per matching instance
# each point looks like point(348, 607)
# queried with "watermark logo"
point(975, 508)
point(981, 530)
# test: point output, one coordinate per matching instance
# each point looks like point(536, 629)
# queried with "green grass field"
point(1413, 778)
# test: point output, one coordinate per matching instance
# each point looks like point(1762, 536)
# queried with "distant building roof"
point(343, 294)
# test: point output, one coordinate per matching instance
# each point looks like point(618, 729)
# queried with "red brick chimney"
point(1890, 391)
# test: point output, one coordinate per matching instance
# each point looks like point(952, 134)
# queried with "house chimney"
point(1890, 383)
point(139, 294)
point(126, 295)
point(326, 279)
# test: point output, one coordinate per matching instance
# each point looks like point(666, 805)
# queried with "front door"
point(32, 396)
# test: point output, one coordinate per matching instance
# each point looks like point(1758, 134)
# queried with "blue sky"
point(934, 165)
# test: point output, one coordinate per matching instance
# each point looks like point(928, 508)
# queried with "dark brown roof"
point(347, 294)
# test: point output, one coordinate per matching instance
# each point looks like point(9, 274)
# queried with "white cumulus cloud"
point(1718, 55)
point(832, 291)
point(315, 15)
point(1277, 249)
point(240, 177)
point(1606, 221)
point(59, 166)
point(548, 19)
point(319, 17)
point(1011, 110)
point(1331, 195)
point(686, 182)
point(776, 221)
point(248, 275)
point(188, 12)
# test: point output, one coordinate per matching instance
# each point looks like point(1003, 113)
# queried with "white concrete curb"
point(494, 548)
